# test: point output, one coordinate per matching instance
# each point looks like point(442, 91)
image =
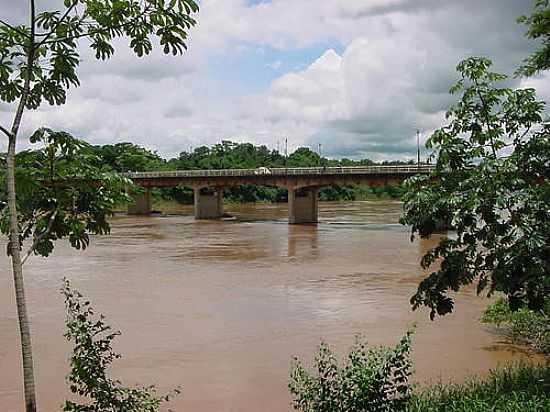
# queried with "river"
point(221, 307)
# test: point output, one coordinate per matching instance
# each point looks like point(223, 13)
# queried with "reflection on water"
point(221, 307)
point(303, 241)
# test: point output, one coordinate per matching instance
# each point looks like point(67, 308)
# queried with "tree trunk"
point(14, 243)
point(17, 267)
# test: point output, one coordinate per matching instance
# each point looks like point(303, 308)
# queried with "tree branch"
point(14, 29)
point(6, 131)
point(47, 36)
point(486, 114)
point(525, 133)
point(90, 32)
point(39, 238)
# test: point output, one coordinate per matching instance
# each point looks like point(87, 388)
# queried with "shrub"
point(522, 326)
point(90, 361)
point(372, 379)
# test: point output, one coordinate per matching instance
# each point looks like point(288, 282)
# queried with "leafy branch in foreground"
point(91, 359)
point(372, 379)
point(39, 61)
point(491, 184)
point(538, 28)
point(63, 193)
point(46, 53)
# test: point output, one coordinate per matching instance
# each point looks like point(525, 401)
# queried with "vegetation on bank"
point(377, 379)
point(523, 326)
point(124, 157)
point(517, 388)
point(91, 359)
point(373, 379)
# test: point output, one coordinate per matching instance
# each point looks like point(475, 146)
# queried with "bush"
point(372, 379)
point(521, 388)
point(522, 326)
point(377, 379)
point(90, 361)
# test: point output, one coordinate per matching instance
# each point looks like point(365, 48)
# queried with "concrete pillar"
point(142, 204)
point(208, 205)
point(303, 206)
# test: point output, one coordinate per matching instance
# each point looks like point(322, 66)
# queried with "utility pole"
point(286, 147)
point(418, 147)
point(320, 155)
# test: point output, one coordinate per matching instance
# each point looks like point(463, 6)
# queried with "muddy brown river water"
point(221, 307)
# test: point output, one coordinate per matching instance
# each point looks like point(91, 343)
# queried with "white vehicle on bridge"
point(262, 171)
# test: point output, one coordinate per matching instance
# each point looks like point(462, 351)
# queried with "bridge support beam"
point(142, 204)
point(303, 206)
point(208, 205)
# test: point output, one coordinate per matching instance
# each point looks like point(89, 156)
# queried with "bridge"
point(302, 184)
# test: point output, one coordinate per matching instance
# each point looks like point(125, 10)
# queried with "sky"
point(358, 77)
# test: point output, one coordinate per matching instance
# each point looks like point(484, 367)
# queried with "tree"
point(39, 62)
point(303, 157)
point(63, 192)
point(539, 29)
point(125, 157)
point(491, 185)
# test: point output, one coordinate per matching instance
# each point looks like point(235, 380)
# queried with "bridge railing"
point(290, 171)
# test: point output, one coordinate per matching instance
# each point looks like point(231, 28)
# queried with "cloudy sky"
point(357, 76)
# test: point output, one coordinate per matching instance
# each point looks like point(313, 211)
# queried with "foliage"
point(366, 383)
point(522, 326)
point(91, 359)
point(538, 24)
point(519, 388)
point(491, 185)
point(129, 157)
point(231, 155)
point(48, 53)
point(123, 157)
point(372, 379)
point(62, 193)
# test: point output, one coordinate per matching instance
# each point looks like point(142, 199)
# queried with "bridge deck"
point(290, 171)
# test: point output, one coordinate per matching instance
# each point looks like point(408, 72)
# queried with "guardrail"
point(291, 171)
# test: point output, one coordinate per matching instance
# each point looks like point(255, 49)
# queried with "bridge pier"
point(142, 204)
point(208, 205)
point(303, 205)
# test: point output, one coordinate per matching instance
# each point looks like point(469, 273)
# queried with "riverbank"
point(518, 388)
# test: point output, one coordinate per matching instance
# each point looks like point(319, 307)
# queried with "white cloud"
point(391, 78)
point(276, 65)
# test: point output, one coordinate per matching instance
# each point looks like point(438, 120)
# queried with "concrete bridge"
point(302, 184)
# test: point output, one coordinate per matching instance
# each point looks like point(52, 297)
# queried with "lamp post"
point(286, 152)
point(418, 147)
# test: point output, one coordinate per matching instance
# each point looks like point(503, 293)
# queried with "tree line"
point(126, 157)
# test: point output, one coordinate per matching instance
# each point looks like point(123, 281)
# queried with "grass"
point(523, 326)
point(519, 388)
